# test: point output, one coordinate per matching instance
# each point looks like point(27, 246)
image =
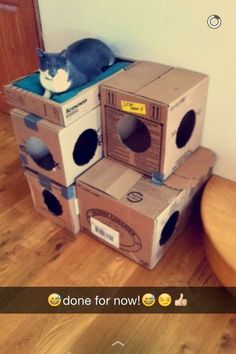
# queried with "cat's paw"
point(47, 94)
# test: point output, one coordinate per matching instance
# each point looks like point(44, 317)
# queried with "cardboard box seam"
point(84, 184)
point(135, 92)
point(156, 78)
point(152, 99)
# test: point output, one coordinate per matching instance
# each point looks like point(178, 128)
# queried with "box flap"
point(171, 86)
point(137, 76)
point(195, 168)
point(128, 186)
point(138, 192)
point(110, 177)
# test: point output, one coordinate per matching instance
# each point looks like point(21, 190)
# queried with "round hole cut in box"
point(59, 153)
point(134, 133)
point(40, 153)
point(169, 228)
point(162, 109)
point(185, 129)
point(151, 147)
point(54, 201)
point(85, 147)
point(168, 225)
point(123, 209)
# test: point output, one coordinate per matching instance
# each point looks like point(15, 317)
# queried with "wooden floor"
point(35, 252)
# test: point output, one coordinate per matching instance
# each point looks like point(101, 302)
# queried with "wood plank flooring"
point(35, 252)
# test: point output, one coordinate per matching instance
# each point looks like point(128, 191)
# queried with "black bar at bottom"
point(117, 300)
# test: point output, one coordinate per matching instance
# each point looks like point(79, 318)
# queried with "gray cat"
point(76, 65)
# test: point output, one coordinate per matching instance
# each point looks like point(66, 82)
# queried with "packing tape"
point(31, 121)
point(45, 182)
point(68, 192)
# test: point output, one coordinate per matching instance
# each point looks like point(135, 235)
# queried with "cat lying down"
point(76, 65)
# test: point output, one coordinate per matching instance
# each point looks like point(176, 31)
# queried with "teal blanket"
point(31, 83)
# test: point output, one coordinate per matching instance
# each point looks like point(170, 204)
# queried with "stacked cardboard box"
point(57, 142)
point(124, 209)
point(153, 117)
point(139, 197)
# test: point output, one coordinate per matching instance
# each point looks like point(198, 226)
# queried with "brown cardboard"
point(189, 173)
point(137, 76)
point(64, 158)
point(154, 99)
point(62, 114)
point(44, 192)
point(125, 210)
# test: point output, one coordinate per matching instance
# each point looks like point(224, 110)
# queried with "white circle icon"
point(214, 21)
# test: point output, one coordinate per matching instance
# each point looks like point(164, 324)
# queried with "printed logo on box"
point(129, 240)
point(72, 110)
point(133, 107)
point(134, 197)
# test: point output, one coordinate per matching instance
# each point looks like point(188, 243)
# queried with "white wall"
point(173, 32)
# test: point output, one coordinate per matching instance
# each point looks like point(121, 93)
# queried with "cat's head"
point(54, 71)
point(51, 63)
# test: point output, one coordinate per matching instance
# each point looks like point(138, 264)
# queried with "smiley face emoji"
point(54, 299)
point(148, 300)
point(164, 299)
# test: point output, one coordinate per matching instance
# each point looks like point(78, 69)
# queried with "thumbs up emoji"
point(181, 301)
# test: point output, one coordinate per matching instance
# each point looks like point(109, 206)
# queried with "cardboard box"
point(152, 117)
point(59, 113)
point(53, 201)
point(125, 210)
point(59, 153)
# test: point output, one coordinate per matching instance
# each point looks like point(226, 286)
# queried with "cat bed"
point(31, 83)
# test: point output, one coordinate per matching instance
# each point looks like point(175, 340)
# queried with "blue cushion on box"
point(31, 83)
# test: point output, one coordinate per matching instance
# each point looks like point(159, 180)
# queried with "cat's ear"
point(40, 53)
point(63, 54)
